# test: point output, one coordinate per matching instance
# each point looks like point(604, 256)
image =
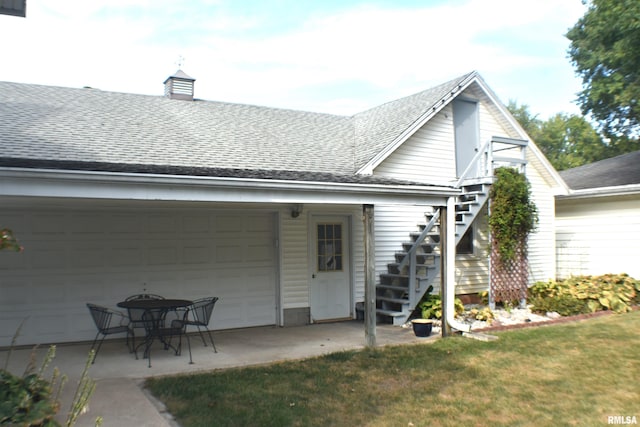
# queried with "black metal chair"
point(104, 320)
point(158, 327)
point(135, 314)
point(201, 311)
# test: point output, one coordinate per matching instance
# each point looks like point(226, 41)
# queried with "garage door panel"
point(227, 253)
point(12, 292)
point(87, 256)
point(162, 253)
point(229, 313)
point(196, 224)
point(48, 256)
point(258, 223)
point(77, 256)
point(119, 223)
point(163, 224)
point(194, 254)
point(258, 311)
point(229, 224)
point(13, 261)
point(260, 253)
point(85, 288)
point(48, 224)
point(53, 291)
point(48, 327)
point(10, 323)
point(82, 225)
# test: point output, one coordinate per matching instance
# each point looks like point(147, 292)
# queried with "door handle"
point(313, 276)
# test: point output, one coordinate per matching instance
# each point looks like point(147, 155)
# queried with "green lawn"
point(571, 374)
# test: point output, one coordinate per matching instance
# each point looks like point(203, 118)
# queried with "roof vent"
point(179, 86)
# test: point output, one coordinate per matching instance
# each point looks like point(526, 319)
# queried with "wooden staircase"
point(394, 298)
point(417, 265)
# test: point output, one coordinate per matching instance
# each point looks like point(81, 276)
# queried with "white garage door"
point(75, 256)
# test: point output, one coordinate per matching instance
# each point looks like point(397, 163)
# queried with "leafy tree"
point(569, 141)
point(566, 140)
point(604, 50)
point(529, 122)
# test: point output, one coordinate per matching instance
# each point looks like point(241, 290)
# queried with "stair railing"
point(483, 159)
point(411, 259)
point(482, 162)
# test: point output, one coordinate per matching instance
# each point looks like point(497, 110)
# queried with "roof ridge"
point(459, 79)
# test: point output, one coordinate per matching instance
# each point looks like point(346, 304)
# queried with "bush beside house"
point(586, 294)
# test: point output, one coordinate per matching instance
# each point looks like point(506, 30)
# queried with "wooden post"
point(369, 276)
point(444, 268)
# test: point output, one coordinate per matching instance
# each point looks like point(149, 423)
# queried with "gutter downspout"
point(449, 277)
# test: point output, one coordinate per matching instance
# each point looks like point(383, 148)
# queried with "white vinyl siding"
point(294, 260)
point(541, 243)
point(472, 271)
point(428, 156)
point(393, 225)
point(597, 236)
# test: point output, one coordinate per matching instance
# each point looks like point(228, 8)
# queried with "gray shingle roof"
point(619, 170)
point(44, 123)
point(380, 126)
point(204, 171)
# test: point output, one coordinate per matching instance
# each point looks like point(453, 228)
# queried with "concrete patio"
point(121, 401)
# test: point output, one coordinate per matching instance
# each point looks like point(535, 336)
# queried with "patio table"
point(158, 308)
point(155, 304)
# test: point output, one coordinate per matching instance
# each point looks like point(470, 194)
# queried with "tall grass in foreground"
point(571, 374)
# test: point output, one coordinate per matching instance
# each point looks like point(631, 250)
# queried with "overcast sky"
point(333, 56)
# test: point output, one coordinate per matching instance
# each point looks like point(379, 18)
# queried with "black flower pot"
point(422, 327)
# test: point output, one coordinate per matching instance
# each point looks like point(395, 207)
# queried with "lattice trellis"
point(509, 279)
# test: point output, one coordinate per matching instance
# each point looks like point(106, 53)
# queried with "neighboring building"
point(112, 194)
point(598, 223)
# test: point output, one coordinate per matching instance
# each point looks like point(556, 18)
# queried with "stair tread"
point(391, 313)
point(393, 287)
point(400, 275)
point(397, 264)
point(392, 299)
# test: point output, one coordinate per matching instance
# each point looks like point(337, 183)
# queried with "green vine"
point(513, 215)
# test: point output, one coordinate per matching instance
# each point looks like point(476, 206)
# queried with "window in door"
point(329, 244)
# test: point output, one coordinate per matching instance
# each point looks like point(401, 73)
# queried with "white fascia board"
point(127, 186)
point(618, 190)
point(428, 115)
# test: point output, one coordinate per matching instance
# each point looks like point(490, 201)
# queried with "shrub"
point(431, 306)
point(484, 314)
point(513, 214)
point(564, 305)
point(31, 400)
point(584, 294)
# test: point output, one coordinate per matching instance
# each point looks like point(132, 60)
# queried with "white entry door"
point(330, 293)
